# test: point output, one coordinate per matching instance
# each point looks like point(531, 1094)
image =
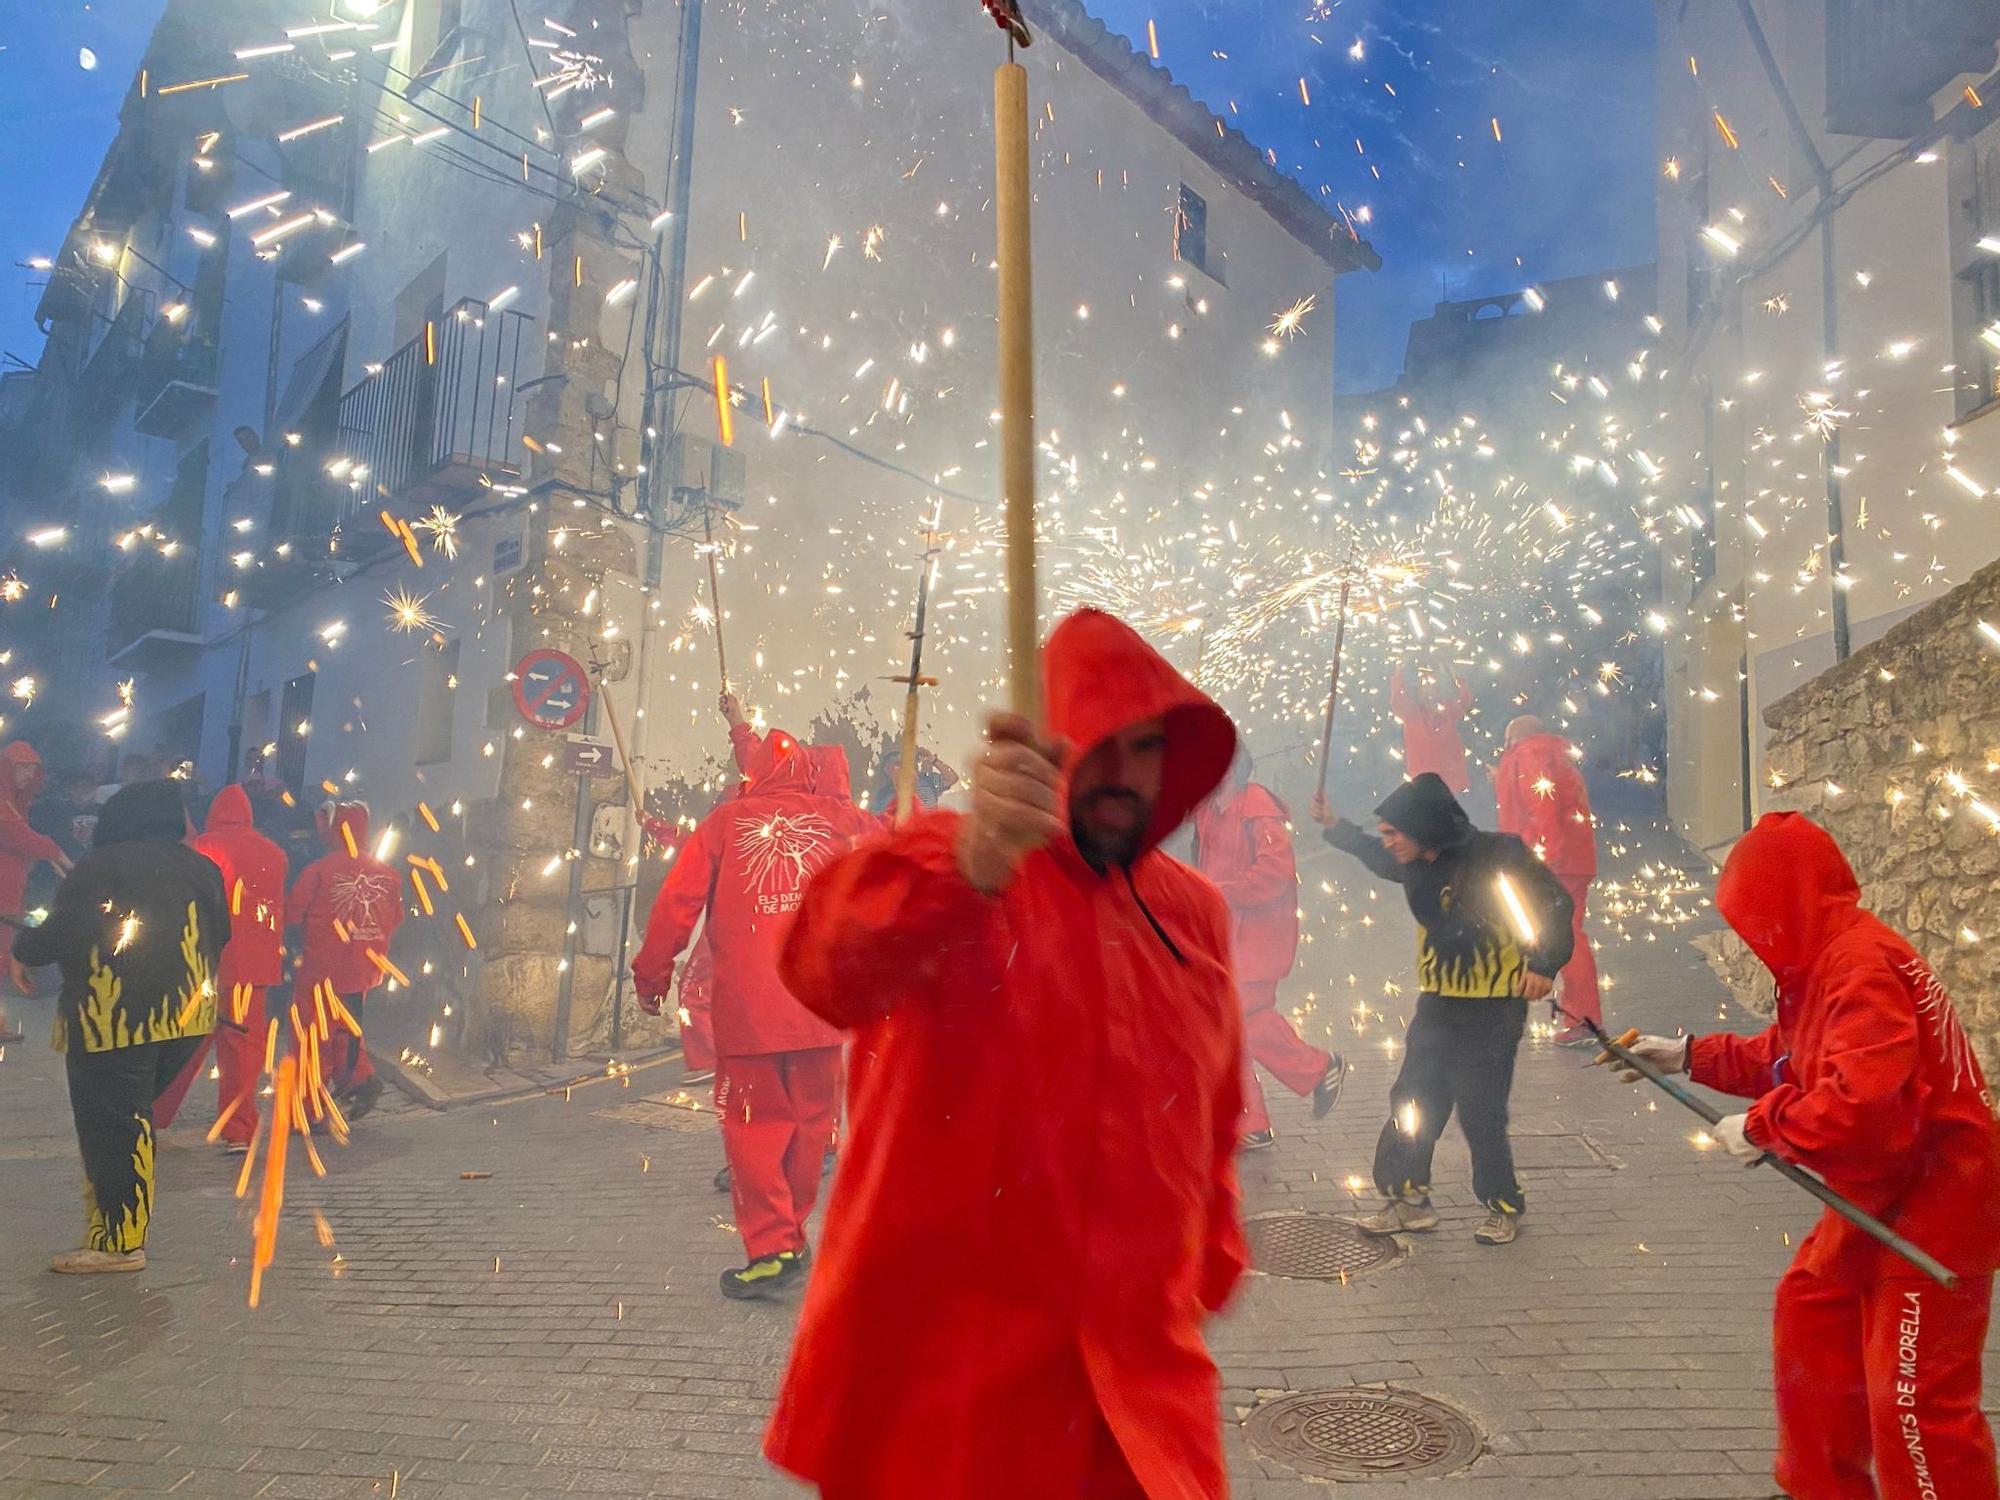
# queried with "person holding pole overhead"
point(1867, 1079)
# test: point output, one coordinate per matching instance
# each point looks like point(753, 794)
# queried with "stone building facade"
point(1896, 752)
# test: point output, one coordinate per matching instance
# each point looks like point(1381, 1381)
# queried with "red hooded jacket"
point(1243, 845)
point(1544, 802)
point(349, 905)
point(746, 864)
point(21, 848)
point(1430, 732)
point(253, 877)
point(1867, 1079)
point(1037, 1194)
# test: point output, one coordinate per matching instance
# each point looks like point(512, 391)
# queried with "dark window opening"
point(1191, 229)
point(294, 731)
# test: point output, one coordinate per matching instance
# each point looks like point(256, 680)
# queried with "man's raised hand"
point(1016, 803)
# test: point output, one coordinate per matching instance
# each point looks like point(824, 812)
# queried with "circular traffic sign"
point(550, 689)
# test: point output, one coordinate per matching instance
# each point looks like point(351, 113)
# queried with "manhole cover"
point(1363, 1433)
point(1315, 1247)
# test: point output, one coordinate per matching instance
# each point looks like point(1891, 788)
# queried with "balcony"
point(109, 369)
point(1886, 58)
point(177, 383)
point(438, 419)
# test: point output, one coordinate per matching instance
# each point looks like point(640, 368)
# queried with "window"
point(437, 704)
point(1191, 229)
point(294, 727)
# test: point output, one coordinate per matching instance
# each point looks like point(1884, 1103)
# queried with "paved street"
point(553, 1327)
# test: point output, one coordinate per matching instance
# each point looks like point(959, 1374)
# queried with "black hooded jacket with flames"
point(1469, 945)
point(137, 929)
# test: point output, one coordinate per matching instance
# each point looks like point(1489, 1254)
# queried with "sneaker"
point(722, 1180)
point(1258, 1140)
point(1326, 1093)
point(1498, 1228)
point(1400, 1216)
point(1575, 1036)
point(97, 1262)
point(695, 1076)
point(360, 1099)
point(10, 1031)
point(765, 1276)
point(235, 1148)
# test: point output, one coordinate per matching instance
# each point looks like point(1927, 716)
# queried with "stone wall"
point(1896, 752)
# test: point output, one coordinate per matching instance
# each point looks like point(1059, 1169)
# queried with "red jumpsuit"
point(253, 879)
point(777, 1072)
point(21, 848)
point(1243, 845)
point(1430, 731)
point(1544, 802)
point(349, 906)
point(1868, 1080)
point(1037, 1194)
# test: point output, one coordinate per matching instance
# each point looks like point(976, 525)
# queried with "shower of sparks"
point(407, 612)
point(442, 526)
point(1286, 324)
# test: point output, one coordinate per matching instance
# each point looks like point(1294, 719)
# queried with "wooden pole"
point(1333, 686)
point(1017, 382)
point(714, 591)
point(618, 741)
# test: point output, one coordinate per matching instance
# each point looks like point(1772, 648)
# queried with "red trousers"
point(1579, 975)
point(239, 1058)
point(778, 1116)
point(1268, 1038)
point(344, 1063)
point(1888, 1370)
point(697, 1031)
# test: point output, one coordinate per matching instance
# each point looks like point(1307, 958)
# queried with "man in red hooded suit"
point(253, 880)
point(1430, 718)
point(348, 904)
point(777, 1071)
point(1867, 1080)
point(1036, 1198)
point(21, 848)
point(1544, 803)
point(1242, 843)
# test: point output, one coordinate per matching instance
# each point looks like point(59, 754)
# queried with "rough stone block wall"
point(1896, 752)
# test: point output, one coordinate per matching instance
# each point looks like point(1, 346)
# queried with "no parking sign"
point(551, 689)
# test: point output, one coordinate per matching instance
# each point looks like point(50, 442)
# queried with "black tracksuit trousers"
point(1459, 1054)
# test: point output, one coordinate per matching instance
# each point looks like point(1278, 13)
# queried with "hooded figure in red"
point(348, 904)
point(1430, 728)
point(1244, 844)
point(1543, 802)
point(21, 848)
point(777, 1065)
point(253, 879)
point(1867, 1080)
point(1037, 1196)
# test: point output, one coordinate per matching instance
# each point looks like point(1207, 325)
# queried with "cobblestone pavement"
point(553, 1328)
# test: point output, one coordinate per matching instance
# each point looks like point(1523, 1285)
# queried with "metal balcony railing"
point(438, 414)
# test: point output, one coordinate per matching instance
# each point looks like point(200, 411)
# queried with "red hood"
point(1787, 890)
point(351, 815)
point(230, 809)
point(828, 774)
point(21, 753)
point(1099, 677)
point(1542, 749)
point(1253, 801)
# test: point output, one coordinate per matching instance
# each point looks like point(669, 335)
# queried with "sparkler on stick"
point(1017, 357)
point(618, 733)
point(906, 769)
point(714, 591)
point(1333, 683)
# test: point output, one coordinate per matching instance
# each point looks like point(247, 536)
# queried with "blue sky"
point(1567, 188)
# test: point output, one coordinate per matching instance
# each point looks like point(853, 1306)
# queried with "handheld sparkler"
point(906, 769)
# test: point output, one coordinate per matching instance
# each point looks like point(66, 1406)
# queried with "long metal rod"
point(1333, 686)
point(1860, 1218)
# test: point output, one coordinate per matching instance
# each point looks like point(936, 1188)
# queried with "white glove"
point(1729, 1133)
point(1667, 1053)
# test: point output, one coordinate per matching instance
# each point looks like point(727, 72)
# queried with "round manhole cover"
point(1363, 1433)
point(1315, 1247)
